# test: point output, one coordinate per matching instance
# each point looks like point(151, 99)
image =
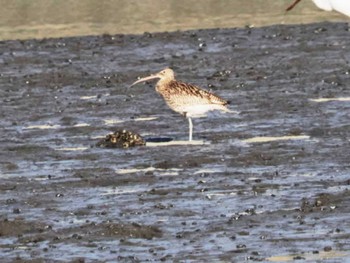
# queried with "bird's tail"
point(227, 110)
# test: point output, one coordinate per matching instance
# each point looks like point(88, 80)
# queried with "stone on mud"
point(122, 139)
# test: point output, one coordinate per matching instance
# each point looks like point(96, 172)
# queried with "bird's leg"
point(190, 128)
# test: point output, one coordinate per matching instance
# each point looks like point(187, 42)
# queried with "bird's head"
point(166, 74)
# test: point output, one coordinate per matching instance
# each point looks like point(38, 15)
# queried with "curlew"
point(342, 6)
point(186, 99)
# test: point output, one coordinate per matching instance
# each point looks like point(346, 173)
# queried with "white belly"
point(200, 110)
point(342, 6)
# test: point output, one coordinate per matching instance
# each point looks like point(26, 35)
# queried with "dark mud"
point(281, 196)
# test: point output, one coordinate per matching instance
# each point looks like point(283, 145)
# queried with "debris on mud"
point(133, 230)
point(322, 202)
point(121, 139)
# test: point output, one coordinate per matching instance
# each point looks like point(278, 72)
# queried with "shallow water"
point(270, 183)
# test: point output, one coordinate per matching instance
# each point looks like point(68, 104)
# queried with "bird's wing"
point(185, 89)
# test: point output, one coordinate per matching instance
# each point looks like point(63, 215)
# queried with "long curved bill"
point(145, 79)
point(292, 5)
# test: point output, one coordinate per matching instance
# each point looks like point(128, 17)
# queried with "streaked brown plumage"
point(186, 99)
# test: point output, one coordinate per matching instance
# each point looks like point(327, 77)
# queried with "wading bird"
point(186, 99)
point(341, 6)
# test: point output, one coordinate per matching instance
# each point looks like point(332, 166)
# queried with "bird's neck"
point(163, 85)
point(164, 82)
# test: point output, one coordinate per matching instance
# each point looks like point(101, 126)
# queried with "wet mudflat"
point(268, 184)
